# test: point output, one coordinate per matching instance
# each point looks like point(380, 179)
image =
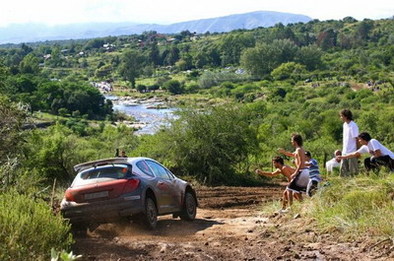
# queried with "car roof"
point(101, 162)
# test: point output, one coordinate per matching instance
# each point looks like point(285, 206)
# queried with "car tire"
point(150, 214)
point(189, 210)
point(79, 229)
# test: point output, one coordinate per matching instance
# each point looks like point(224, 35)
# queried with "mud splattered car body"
point(139, 188)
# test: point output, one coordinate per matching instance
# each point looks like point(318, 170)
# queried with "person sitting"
point(334, 162)
point(314, 174)
point(381, 156)
point(283, 169)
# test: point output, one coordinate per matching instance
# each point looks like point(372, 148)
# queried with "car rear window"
point(103, 173)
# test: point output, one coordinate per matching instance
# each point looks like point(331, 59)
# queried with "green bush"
point(212, 146)
point(29, 229)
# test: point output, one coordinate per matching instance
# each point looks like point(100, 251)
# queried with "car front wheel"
point(150, 215)
point(189, 210)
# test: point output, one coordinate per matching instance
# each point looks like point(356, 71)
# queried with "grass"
point(360, 205)
point(354, 207)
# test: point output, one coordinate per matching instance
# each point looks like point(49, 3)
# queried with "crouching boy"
point(314, 174)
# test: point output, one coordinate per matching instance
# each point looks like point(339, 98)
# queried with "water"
point(151, 119)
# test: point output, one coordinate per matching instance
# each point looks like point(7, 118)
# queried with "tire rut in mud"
point(236, 197)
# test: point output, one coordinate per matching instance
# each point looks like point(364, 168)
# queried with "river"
point(145, 112)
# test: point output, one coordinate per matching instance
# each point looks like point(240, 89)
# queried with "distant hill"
point(18, 33)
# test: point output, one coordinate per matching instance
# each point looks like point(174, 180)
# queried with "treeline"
point(361, 49)
point(67, 96)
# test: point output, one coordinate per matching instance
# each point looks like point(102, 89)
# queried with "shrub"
point(173, 86)
point(29, 229)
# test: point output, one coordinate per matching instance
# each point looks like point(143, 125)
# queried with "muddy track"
point(229, 226)
point(236, 197)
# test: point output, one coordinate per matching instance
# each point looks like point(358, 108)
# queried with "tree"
point(327, 39)
point(363, 29)
point(29, 64)
point(3, 75)
point(131, 65)
point(232, 45)
point(310, 56)
point(94, 44)
point(154, 54)
point(172, 56)
point(263, 58)
point(288, 70)
point(12, 118)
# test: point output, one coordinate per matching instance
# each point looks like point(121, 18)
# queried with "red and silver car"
point(139, 188)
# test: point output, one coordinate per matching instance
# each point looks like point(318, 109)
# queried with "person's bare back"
point(287, 171)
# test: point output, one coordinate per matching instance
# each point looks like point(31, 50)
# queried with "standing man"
point(349, 166)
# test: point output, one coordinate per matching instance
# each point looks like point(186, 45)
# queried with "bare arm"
point(267, 173)
point(349, 156)
point(285, 152)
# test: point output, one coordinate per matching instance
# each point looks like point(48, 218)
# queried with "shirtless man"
point(300, 177)
point(283, 169)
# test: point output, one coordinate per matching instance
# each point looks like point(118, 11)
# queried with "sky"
point(54, 12)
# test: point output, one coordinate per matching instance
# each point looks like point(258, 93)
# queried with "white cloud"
point(169, 11)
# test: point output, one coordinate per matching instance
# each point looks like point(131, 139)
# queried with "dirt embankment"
point(229, 226)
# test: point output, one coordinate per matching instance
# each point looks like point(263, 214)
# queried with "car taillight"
point(131, 185)
point(69, 196)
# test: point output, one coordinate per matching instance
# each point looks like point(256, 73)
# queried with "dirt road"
point(229, 226)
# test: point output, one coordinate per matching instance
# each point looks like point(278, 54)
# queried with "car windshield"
point(102, 173)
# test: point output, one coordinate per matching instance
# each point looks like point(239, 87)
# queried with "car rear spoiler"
point(95, 163)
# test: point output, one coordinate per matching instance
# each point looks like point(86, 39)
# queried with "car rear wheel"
point(189, 210)
point(150, 215)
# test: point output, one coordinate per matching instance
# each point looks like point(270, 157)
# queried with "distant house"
point(109, 47)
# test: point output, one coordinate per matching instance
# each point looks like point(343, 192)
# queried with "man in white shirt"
point(334, 162)
point(381, 156)
point(349, 166)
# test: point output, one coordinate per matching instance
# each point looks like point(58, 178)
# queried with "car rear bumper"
point(102, 211)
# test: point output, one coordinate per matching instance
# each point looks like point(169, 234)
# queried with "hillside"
point(38, 32)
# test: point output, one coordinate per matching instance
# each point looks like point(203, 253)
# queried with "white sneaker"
point(283, 211)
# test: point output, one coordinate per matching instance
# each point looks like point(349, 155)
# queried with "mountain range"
point(31, 32)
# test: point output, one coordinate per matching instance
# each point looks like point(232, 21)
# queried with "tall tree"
point(12, 117)
point(29, 64)
point(131, 66)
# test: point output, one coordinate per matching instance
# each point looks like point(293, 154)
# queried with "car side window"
point(158, 170)
point(144, 167)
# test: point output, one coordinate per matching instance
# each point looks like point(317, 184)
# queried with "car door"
point(166, 186)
